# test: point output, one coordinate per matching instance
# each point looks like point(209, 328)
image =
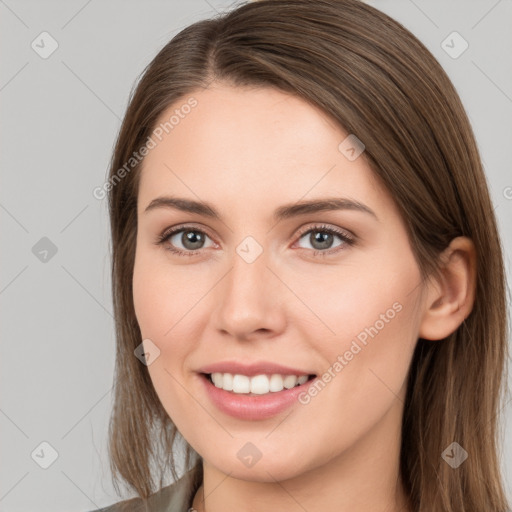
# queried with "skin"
point(248, 151)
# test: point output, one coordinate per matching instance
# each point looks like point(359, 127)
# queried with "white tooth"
point(276, 383)
point(259, 384)
point(217, 379)
point(289, 381)
point(227, 382)
point(241, 384)
point(301, 380)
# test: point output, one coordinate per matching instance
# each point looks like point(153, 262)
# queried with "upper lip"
point(259, 368)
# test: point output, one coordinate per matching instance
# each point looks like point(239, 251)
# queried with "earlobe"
point(449, 300)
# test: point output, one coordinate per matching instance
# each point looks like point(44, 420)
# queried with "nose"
point(250, 300)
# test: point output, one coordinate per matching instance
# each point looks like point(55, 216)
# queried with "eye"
point(192, 240)
point(321, 239)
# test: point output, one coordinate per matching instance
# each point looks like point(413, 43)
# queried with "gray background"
point(60, 117)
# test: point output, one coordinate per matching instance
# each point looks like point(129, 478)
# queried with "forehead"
point(243, 119)
point(249, 144)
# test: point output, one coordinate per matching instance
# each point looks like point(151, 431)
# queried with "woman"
point(308, 281)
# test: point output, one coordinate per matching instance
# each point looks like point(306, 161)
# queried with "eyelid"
point(187, 226)
point(322, 226)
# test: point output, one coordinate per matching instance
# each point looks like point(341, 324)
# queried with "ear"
point(449, 300)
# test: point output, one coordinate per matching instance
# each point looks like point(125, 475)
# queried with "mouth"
point(257, 385)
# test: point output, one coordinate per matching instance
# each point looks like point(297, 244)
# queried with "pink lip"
point(253, 407)
point(263, 367)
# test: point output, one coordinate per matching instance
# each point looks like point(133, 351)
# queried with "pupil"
point(324, 239)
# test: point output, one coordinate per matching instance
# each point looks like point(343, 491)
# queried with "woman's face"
point(331, 292)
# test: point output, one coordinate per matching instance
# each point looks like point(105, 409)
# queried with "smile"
point(258, 384)
point(257, 397)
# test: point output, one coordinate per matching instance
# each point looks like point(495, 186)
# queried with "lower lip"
point(253, 407)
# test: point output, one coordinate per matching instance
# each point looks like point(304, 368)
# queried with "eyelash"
point(345, 237)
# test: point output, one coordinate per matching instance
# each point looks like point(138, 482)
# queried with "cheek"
point(161, 311)
point(368, 330)
point(167, 303)
point(367, 296)
point(160, 297)
point(146, 300)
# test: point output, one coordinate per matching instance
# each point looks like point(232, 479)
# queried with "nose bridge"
point(249, 299)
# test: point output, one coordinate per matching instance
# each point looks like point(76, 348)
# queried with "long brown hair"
point(375, 79)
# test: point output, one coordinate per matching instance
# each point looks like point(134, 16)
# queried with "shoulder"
point(176, 497)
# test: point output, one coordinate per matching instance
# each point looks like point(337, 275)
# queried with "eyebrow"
point(283, 212)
